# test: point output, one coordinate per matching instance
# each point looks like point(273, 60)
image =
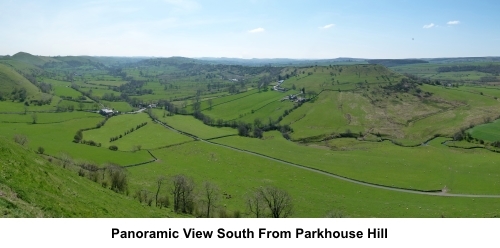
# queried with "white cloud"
point(257, 30)
point(327, 26)
point(429, 25)
point(453, 22)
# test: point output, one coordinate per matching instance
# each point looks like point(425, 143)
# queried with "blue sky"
point(252, 28)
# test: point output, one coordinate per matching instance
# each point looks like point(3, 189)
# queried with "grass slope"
point(11, 80)
point(32, 187)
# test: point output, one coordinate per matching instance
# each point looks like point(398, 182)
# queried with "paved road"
point(333, 175)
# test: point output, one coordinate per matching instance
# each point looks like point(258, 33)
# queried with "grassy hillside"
point(10, 80)
point(32, 187)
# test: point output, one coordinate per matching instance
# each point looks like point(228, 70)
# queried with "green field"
point(193, 126)
point(488, 132)
point(221, 166)
point(364, 140)
point(424, 168)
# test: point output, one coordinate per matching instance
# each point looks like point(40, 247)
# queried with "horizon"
point(220, 58)
point(253, 29)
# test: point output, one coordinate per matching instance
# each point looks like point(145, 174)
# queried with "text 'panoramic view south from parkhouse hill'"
point(250, 109)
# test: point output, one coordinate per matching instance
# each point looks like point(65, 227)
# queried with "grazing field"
point(151, 136)
point(47, 118)
point(315, 79)
point(56, 139)
point(430, 167)
point(195, 127)
point(119, 106)
point(108, 83)
point(115, 126)
point(328, 114)
point(313, 194)
point(17, 107)
point(489, 132)
point(237, 109)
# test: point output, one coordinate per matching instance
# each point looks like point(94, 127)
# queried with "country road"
point(378, 186)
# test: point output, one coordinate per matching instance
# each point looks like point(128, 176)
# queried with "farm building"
point(106, 111)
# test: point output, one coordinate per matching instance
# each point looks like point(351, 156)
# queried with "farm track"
point(373, 185)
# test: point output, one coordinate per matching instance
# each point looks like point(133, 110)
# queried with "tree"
point(210, 197)
point(257, 123)
point(278, 201)
point(243, 129)
point(256, 204)
point(80, 105)
point(41, 150)
point(257, 133)
point(118, 177)
point(183, 194)
point(34, 117)
point(159, 182)
point(210, 103)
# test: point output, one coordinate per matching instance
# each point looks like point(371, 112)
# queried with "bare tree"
point(183, 193)
point(278, 201)
point(256, 204)
point(210, 197)
point(159, 182)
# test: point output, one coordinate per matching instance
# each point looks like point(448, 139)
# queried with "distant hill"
point(30, 186)
point(282, 61)
point(32, 59)
point(396, 62)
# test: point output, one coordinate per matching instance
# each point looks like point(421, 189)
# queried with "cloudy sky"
point(252, 28)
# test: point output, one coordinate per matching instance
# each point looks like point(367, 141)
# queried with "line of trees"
point(205, 200)
point(127, 132)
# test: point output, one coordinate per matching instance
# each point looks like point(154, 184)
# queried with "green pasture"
point(115, 126)
point(225, 99)
point(346, 77)
point(331, 112)
point(119, 106)
point(313, 194)
point(429, 167)
point(16, 107)
point(46, 118)
point(272, 110)
point(56, 139)
point(488, 132)
point(62, 88)
point(193, 126)
point(108, 83)
point(151, 136)
point(237, 109)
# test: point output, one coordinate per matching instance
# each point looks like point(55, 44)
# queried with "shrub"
point(21, 139)
point(113, 148)
point(40, 150)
